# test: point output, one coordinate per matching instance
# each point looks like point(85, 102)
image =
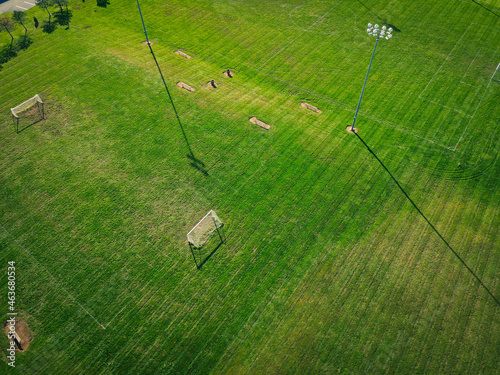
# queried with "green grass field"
point(329, 266)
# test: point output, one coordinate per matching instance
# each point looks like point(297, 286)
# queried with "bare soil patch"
point(349, 129)
point(180, 53)
point(212, 84)
point(311, 107)
point(23, 334)
point(228, 73)
point(185, 86)
point(145, 43)
point(262, 124)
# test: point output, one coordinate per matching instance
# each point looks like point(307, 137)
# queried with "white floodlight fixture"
point(388, 37)
point(370, 25)
point(384, 28)
point(390, 29)
point(376, 26)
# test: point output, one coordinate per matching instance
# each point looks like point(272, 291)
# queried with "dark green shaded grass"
point(327, 267)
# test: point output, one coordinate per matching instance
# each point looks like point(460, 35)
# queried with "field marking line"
point(320, 18)
point(477, 108)
point(448, 107)
point(30, 3)
point(52, 276)
point(294, 24)
point(445, 61)
point(467, 71)
point(21, 7)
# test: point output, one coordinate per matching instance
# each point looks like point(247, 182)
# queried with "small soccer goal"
point(31, 109)
point(201, 234)
point(205, 229)
point(496, 75)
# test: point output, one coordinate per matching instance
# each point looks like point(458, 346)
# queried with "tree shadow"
point(63, 18)
point(49, 27)
point(7, 53)
point(428, 222)
point(489, 10)
point(24, 42)
point(205, 258)
point(102, 3)
point(380, 18)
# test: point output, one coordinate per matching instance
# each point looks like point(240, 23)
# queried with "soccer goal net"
point(205, 229)
point(27, 105)
point(496, 75)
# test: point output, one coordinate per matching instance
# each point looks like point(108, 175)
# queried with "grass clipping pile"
point(19, 333)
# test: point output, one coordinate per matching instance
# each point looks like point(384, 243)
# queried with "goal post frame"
point(201, 234)
point(25, 106)
point(217, 223)
point(497, 70)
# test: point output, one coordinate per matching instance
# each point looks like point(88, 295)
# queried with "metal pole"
point(364, 84)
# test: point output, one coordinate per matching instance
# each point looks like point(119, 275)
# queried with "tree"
point(20, 18)
point(60, 3)
point(44, 4)
point(8, 25)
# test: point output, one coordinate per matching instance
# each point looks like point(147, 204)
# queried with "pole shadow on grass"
point(203, 259)
point(193, 160)
point(489, 10)
point(380, 18)
point(428, 222)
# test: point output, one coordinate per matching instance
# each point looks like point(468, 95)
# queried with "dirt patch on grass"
point(212, 84)
point(145, 43)
point(256, 121)
point(183, 54)
point(228, 73)
point(310, 107)
point(349, 129)
point(19, 332)
point(185, 86)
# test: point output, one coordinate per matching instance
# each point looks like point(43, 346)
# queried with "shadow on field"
point(380, 18)
point(63, 18)
point(489, 10)
point(102, 3)
point(23, 128)
point(428, 222)
point(204, 259)
point(194, 161)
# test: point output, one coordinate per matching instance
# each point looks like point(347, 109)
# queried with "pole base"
point(349, 129)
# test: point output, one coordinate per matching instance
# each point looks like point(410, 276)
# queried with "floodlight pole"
point(372, 30)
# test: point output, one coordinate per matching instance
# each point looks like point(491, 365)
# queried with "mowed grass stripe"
point(214, 305)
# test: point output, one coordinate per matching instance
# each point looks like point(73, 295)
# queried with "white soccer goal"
point(205, 229)
point(496, 75)
point(26, 106)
